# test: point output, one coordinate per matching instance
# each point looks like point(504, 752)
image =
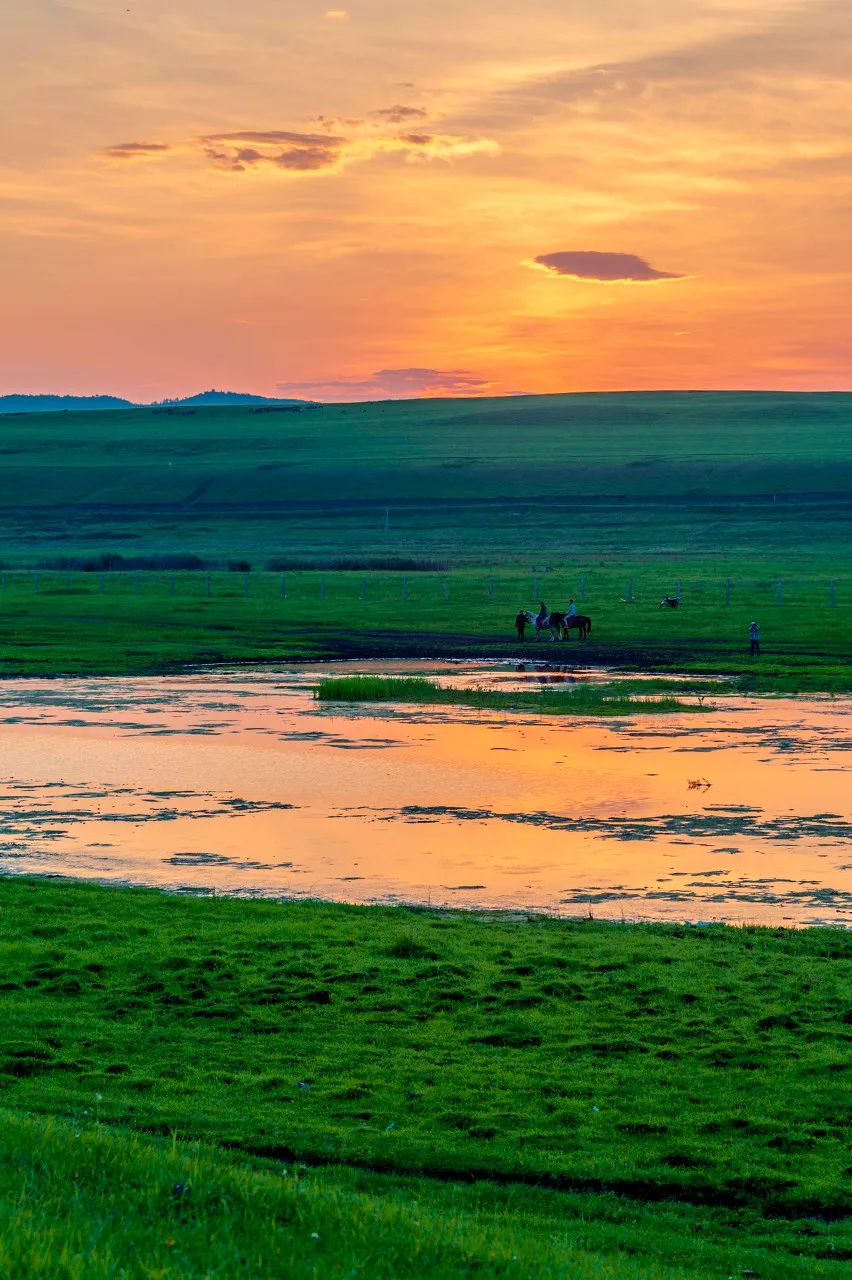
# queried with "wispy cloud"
point(280, 148)
point(399, 113)
point(295, 151)
point(586, 264)
point(396, 384)
point(133, 150)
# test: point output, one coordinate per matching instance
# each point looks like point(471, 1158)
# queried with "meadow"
point(231, 1087)
point(144, 622)
point(209, 1087)
point(419, 529)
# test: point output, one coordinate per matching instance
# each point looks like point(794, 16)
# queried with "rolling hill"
point(468, 478)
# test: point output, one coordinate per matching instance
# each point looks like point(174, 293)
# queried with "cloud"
point(396, 384)
point(776, 60)
point(132, 150)
point(585, 264)
point(400, 114)
point(301, 152)
point(280, 148)
point(337, 15)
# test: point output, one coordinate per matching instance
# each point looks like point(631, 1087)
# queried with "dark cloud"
point(416, 139)
point(395, 384)
point(589, 265)
point(400, 114)
point(280, 148)
point(131, 150)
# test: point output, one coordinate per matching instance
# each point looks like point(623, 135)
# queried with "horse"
point(669, 602)
point(577, 622)
point(533, 621)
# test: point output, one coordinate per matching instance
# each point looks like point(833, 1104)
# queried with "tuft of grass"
point(578, 700)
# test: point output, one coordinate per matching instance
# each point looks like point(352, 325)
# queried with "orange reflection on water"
point(244, 784)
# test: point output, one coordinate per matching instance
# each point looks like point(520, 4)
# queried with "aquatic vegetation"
point(579, 699)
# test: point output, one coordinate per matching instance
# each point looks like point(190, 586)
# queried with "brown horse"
point(560, 625)
point(579, 622)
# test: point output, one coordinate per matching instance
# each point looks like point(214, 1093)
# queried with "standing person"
point(754, 639)
point(520, 625)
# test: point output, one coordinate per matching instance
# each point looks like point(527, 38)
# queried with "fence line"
point(501, 591)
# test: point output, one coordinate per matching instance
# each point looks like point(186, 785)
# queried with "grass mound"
point(579, 700)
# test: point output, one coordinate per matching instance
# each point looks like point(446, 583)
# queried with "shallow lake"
point(242, 783)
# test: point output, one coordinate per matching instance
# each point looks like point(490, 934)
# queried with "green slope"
point(466, 478)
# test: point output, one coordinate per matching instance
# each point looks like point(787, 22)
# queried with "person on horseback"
point(571, 611)
point(542, 615)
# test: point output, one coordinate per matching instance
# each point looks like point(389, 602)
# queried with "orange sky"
point(279, 196)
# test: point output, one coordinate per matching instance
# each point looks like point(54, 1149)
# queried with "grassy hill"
point(464, 478)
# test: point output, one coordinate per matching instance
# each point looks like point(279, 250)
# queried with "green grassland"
point(231, 1088)
point(469, 480)
point(87, 623)
point(622, 497)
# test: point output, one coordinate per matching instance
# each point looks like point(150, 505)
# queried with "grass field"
point(470, 481)
point(84, 623)
point(620, 497)
point(385, 1092)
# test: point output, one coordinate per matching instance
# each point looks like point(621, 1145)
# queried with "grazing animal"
point(669, 602)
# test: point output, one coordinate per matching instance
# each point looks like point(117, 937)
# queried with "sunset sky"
point(459, 197)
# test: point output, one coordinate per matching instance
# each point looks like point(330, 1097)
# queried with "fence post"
point(832, 595)
point(679, 588)
point(284, 585)
point(207, 585)
point(727, 591)
point(245, 584)
point(2, 582)
point(779, 592)
point(322, 588)
point(446, 588)
point(68, 582)
point(363, 588)
point(171, 586)
point(102, 584)
point(583, 587)
point(405, 588)
point(534, 588)
point(490, 588)
point(630, 591)
point(35, 582)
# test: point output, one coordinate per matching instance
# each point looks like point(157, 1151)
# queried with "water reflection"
point(242, 783)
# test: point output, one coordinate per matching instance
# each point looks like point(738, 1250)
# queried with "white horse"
point(547, 623)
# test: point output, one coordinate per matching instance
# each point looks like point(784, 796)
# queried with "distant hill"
point(59, 404)
point(232, 399)
point(63, 404)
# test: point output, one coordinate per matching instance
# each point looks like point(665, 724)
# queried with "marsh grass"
point(578, 700)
